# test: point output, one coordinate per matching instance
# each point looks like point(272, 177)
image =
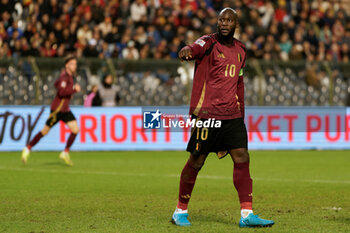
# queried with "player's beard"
point(226, 37)
point(73, 71)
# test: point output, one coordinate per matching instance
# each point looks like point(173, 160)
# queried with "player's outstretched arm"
point(185, 54)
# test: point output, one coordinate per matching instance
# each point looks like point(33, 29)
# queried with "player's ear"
point(237, 28)
point(237, 24)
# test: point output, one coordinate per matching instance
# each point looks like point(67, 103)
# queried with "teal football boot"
point(254, 221)
point(180, 219)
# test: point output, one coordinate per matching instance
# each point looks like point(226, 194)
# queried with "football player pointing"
point(60, 110)
point(218, 93)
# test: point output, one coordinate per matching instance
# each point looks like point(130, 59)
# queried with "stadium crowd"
point(140, 29)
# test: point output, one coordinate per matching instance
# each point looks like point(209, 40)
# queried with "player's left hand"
point(185, 54)
point(77, 87)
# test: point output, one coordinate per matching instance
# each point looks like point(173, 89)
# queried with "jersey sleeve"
point(64, 87)
point(240, 95)
point(241, 71)
point(240, 88)
point(199, 47)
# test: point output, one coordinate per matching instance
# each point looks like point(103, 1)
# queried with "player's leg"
point(73, 126)
point(187, 180)
point(33, 142)
point(51, 121)
point(241, 179)
point(235, 137)
point(244, 186)
point(45, 130)
point(64, 155)
point(200, 145)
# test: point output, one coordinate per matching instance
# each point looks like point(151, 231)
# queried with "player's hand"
point(77, 87)
point(185, 54)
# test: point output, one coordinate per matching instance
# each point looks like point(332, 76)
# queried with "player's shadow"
point(344, 220)
point(54, 164)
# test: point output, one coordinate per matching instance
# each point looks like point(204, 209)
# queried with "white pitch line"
point(166, 175)
point(83, 172)
point(305, 181)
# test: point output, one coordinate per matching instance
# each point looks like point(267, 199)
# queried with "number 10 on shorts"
point(202, 133)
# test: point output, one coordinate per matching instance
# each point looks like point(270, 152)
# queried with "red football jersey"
point(218, 88)
point(64, 85)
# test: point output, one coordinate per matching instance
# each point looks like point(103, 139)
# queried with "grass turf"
point(303, 191)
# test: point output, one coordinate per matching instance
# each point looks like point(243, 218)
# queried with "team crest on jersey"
point(200, 42)
point(63, 84)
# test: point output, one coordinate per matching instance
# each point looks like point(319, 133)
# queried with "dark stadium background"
point(298, 64)
point(298, 51)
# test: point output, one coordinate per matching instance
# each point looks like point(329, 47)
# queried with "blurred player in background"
point(60, 110)
point(218, 92)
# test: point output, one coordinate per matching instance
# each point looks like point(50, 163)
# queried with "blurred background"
point(125, 177)
point(298, 50)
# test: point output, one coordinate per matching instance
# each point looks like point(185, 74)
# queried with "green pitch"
point(302, 191)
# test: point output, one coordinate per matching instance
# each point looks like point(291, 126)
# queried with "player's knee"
point(197, 165)
point(240, 155)
point(197, 162)
point(243, 154)
point(75, 130)
point(45, 131)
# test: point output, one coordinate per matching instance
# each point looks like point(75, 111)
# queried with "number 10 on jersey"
point(230, 70)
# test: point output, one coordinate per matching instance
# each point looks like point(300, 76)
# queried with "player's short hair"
point(69, 58)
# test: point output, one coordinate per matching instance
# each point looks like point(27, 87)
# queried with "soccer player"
point(218, 93)
point(60, 110)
